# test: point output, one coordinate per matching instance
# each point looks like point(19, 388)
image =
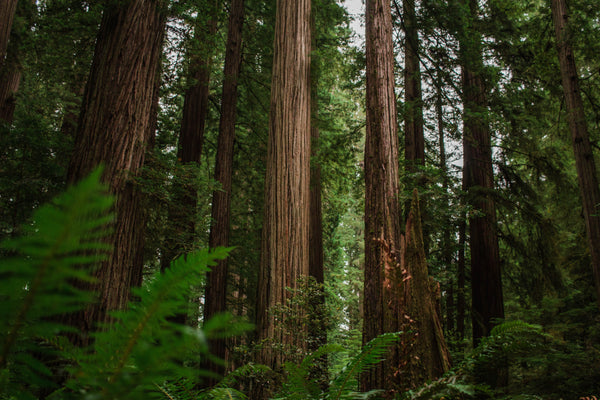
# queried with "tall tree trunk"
point(216, 280)
point(486, 283)
point(447, 233)
point(182, 211)
point(584, 156)
point(414, 141)
point(285, 237)
point(460, 284)
point(382, 211)
point(114, 128)
point(7, 15)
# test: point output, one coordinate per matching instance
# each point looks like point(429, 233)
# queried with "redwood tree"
point(182, 210)
point(478, 175)
point(414, 141)
point(216, 280)
point(113, 130)
point(584, 155)
point(382, 211)
point(285, 236)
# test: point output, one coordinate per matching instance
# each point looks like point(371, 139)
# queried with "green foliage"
point(138, 353)
point(538, 365)
point(298, 385)
point(61, 245)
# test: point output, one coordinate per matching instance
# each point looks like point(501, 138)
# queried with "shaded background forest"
point(544, 254)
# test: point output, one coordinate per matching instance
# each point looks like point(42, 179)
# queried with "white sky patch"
point(356, 9)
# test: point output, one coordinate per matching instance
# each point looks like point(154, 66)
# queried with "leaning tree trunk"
point(486, 283)
point(216, 279)
point(114, 128)
point(584, 156)
point(285, 239)
point(7, 15)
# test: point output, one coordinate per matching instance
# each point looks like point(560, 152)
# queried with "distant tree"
point(11, 64)
point(478, 175)
point(182, 210)
point(584, 155)
point(414, 141)
point(7, 15)
point(216, 280)
point(285, 240)
point(114, 129)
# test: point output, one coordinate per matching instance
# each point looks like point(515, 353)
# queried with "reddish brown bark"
point(584, 156)
point(216, 284)
point(486, 283)
point(114, 128)
point(285, 240)
point(382, 211)
point(8, 9)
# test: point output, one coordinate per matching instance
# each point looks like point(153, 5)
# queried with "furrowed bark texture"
point(216, 279)
point(486, 283)
point(424, 353)
point(285, 240)
point(584, 156)
point(7, 15)
point(113, 130)
point(382, 210)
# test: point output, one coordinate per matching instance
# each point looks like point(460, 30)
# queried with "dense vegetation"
point(244, 199)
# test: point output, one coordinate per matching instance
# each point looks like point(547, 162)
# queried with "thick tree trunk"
point(382, 211)
point(584, 156)
point(7, 15)
point(285, 237)
point(486, 283)
point(113, 130)
point(216, 280)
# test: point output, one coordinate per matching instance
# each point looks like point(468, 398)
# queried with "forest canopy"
point(243, 199)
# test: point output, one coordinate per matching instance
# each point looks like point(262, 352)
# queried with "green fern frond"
point(142, 346)
point(59, 247)
point(511, 327)
point(371, 354)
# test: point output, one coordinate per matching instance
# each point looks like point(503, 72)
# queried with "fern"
point(371, 354)
point(61, 245)
point(142, 347)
